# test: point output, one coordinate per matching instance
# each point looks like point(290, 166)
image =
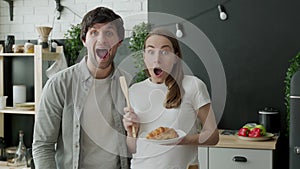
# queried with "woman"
point(171, 99)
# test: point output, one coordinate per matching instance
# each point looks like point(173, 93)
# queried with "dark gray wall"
point(255, 45)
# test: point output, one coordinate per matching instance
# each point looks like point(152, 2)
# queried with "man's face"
point(102, 41)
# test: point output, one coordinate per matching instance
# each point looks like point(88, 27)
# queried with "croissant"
point(162, 133)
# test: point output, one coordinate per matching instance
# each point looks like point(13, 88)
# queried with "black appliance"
point(269, 117)
point(294, 146)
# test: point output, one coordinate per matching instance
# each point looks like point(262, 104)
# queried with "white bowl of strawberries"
point(254, 132)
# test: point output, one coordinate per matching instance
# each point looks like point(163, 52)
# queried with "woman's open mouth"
point(102, 53)
point(158, 71)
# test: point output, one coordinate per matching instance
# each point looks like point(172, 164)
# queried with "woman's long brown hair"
point(174, 79)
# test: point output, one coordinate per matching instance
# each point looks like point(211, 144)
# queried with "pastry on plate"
point(162, 133)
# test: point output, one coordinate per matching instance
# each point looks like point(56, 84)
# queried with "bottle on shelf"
point(20, 157)
point(9, 42)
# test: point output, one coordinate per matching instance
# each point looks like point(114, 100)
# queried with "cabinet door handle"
point(239, 159)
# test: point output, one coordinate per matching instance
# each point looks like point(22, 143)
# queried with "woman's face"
point(159, 57)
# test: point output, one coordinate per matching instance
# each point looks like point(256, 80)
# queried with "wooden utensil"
point(125, 92)
point(192, 166)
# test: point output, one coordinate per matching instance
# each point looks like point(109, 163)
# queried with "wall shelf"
point(39, 57)
point(17, 54)
point(12, 110)
point(46, 56)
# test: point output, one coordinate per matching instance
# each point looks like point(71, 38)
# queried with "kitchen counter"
point(233, 153)
point(3, 165)
point(232, 141)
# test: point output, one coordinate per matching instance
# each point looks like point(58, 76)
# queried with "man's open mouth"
point(102, 53)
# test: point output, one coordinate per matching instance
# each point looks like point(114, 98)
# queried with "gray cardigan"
point(56, 140)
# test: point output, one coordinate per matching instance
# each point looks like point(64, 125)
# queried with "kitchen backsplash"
point(31, 13)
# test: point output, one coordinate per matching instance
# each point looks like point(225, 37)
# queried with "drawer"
point(244, 158)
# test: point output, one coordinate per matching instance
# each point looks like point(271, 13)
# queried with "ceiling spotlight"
point(179, 33)
point(223, 15)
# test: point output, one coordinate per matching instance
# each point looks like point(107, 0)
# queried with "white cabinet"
point(234, 153)
point(39, 57)
point(235, 158)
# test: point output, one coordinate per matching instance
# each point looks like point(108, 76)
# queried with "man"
point(78, 123)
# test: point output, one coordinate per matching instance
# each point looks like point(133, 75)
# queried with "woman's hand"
point(130, 120)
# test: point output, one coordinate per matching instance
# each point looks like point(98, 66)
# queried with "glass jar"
point(10, 155)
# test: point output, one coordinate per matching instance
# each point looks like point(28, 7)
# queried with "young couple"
point(82, 123)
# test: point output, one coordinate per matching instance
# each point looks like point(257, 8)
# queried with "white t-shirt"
point(98, 138)
point(147, 100)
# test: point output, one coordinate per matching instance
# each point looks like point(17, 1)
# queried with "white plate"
point(268, 136)
point(180, 133)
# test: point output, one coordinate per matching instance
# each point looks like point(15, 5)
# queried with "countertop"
point(225, 141)
point(232, 141)
point(3, 165)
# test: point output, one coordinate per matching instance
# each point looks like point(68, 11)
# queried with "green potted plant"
point(73, 44)
point(136, 45)
point(293, 68)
